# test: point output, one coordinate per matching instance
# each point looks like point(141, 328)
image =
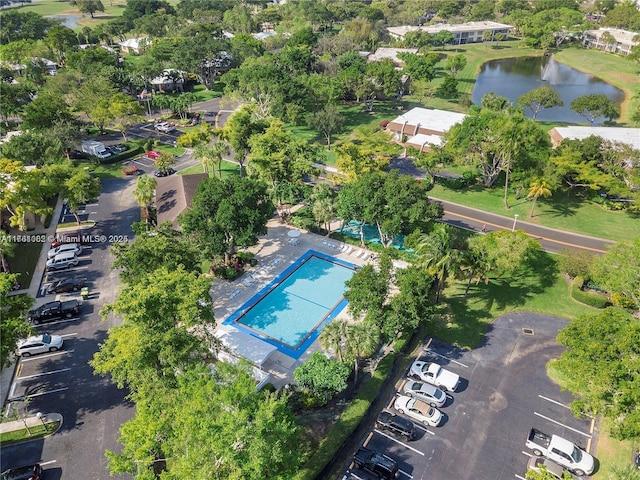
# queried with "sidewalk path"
point(34, 421)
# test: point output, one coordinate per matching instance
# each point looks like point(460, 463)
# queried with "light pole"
point(515, 220)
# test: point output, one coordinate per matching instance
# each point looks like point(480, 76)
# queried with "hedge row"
point(121, 157)
point(589, 298)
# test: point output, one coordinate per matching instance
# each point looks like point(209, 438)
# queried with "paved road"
point(93, 407)
point(552, 240)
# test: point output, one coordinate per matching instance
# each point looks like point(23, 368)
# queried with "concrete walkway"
point(31, 422)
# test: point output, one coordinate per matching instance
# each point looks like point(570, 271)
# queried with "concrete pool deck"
point(275, 252)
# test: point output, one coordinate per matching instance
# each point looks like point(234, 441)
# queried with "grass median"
point(32, 433)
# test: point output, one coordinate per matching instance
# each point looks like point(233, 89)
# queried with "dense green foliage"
point(601, 369)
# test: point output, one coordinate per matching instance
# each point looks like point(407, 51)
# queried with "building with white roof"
point(469, 32)
point(424, 126)
point(134, 45)
point(391, 53)
point(628, 136)
point(622, 40)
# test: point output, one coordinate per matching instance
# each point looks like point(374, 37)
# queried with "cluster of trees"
point(192, 419)
point(497, 141)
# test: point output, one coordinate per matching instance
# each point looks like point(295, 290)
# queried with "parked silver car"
point(425, 392)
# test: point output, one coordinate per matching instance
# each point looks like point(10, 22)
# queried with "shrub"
point(132, 152)
point(620, 300)
point(384, 123)
point(589, 298)
point(467, 179)
point(578, 282)
point(575, 263)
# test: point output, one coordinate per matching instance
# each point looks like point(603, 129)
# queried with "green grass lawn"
point(35, 432)
point(228, 169)
point(24, 259)
point(559, 211)
point(541, 289)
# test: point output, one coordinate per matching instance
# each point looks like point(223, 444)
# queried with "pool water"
point(290, 312)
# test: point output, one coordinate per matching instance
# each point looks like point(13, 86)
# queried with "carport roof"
point(174, 194)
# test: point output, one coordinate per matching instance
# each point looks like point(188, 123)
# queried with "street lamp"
point(515, 220)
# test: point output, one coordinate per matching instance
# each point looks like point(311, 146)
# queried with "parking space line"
point(562, 424)
point(48, 355)
point(44, 464)
point(47, 393)
point(518, 476)
point(422, 428)
point(43, 374)
point(450, 359)
point(398, 442)
point(527, 454)
point(553, 401)
point(69, 335)
point(368, 439)
point(405, 473)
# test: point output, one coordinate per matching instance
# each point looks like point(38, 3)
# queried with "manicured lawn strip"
point(542, 290)
point(611, 68)
point(37, 431)
point(112, 170)
point(24, 259)
point(228, 170)
point(559, 211)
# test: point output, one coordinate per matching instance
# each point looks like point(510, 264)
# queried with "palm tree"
point(219, 150)
point(608, 39)
point(438, 256)
point(206, 157)
point(539, 187)
point(323, 200)
point(362, 341)
point(144, 193)
point(333, 337)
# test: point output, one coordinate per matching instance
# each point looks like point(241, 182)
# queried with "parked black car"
point(53, 311)
point(396, 425)
point(164, 173)
point(377, 463)
point(28, 472)
point(67, 285)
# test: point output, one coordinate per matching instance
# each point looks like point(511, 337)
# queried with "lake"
point(512, 77)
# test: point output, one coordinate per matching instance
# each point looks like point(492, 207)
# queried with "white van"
point(65, 247)
point(62, 260)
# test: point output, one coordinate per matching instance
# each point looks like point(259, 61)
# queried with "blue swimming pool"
point(290, 312)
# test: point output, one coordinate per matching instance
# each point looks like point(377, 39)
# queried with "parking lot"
point(504, 392)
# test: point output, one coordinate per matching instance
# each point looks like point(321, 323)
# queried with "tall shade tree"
point(13, 326)
point(618, 271)
point(540, 98)
point(455, 63)
point(538, 188)
point(238, 131)
point(595, 105)
point(79, 189)
point(322, 376)
point(601, 368)
point(88, 6)
point(22, 191)
point(413, 304)
point(227, 214)
point(145, 193)
point(367, 292)
point(165, 248)
point(45, 110)
point(162, 313)
point(327, 121)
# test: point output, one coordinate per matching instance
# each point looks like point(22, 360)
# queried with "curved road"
point(551, 239)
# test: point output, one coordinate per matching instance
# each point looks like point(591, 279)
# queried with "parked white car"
point(425, 392)
point(435, 375)
point(65, 247)
point(418, 410)
point(164, 127)
point(39, 344)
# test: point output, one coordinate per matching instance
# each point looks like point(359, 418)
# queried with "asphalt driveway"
point(504, 392)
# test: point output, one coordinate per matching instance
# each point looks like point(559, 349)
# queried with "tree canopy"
point(601, 368)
